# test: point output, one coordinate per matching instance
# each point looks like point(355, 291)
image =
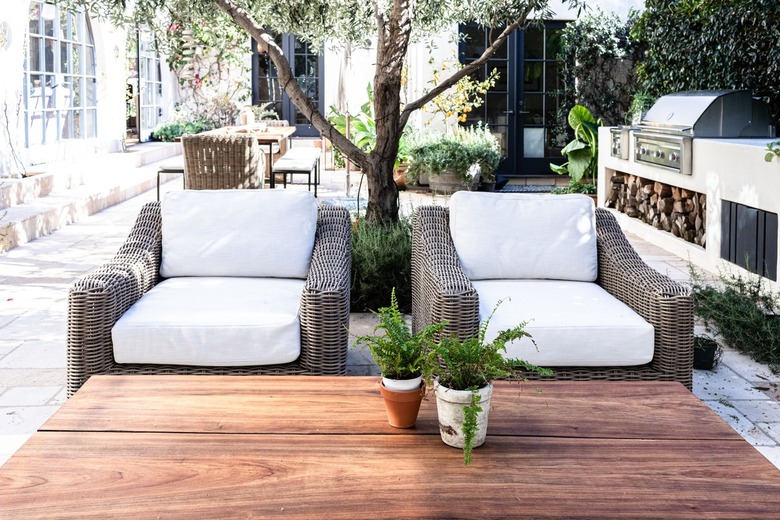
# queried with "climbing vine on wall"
point(598, 55)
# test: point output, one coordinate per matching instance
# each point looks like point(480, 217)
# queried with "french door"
point(522, 110)
point(307, 67)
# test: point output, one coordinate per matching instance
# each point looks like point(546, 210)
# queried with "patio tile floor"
point(33, 304)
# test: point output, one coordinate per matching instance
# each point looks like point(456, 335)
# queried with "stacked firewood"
point(679, 211)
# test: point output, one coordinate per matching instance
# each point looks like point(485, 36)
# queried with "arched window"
point(60, 86)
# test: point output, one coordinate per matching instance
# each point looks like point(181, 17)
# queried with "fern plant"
point(398, 352)
point(472, 364)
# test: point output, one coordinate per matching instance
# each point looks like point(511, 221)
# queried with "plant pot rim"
point(402, 385)
point(461, 396)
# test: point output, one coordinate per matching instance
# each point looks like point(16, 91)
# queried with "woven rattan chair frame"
point(441, 291)
point(222, 162)
point(98, 299)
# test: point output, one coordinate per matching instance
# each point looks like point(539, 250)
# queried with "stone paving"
point(34, 281)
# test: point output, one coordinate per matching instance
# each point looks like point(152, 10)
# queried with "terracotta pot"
point(399, 176)
point(402, 407)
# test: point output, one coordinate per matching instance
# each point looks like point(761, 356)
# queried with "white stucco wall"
point(14, 14)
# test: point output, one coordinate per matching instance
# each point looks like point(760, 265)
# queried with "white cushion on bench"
point(572, 323)
point(297, 160)
point(524, 236)
point(211, 321)
point(238, 233)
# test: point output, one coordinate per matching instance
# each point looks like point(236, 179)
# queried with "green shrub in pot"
point(471, 365)
point(456, 152)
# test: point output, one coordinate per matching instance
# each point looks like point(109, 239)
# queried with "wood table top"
point(320, 447)
point(264, 134)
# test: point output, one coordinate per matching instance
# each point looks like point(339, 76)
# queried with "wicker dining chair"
point(222, 162)
point(441, 291)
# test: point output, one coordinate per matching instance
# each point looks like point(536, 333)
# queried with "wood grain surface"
point(253, 447)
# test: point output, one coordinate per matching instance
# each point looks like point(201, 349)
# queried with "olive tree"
point(392, 24)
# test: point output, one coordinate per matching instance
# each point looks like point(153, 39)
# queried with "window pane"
point(474, 43)
point(534, 105)
point(496, 108)
point(91, 126)
point(48, 12)
point(49, 54)
point(550, 109)
point(533, 76)
point(501, 81)
point(89, 60)
point(77, 99)
point(35, 16)
point(34, 54)
point(65, 32)
point(534, 44)
point(552, 76)
point(312, 62)
point(65, 64)
point(554, 44)
point(90, 92)
point(501, 133)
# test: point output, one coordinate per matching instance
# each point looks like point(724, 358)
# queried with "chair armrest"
point(99, 298)
point(326, 295)
point(664, 303)
point(440, 289)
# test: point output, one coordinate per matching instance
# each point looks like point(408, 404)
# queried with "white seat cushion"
point(524, 236)
point(256, 233)
point(572, 323)
point(208, 321)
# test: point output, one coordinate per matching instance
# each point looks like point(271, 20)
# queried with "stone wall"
point(678, 211)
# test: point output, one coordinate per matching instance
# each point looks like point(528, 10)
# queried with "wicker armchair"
point(101, 297)
point(222, 162)
point(441, 291)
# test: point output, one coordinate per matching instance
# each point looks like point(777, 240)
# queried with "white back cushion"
point(524, 236)
point(257, 233)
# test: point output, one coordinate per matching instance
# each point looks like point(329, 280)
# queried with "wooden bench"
point(299, 161)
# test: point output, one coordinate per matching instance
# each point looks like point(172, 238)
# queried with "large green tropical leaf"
point(579, 163)
point(579, 115)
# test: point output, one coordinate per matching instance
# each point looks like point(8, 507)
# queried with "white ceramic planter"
point(450, 403)
point(402, 385)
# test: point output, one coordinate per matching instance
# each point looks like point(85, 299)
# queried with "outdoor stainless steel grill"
point(664, 135)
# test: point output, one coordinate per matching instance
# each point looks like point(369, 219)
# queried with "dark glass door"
point(522, 109)
point(307, 67)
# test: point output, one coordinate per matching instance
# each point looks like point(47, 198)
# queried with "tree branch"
point(289, 84)
point(465, 71)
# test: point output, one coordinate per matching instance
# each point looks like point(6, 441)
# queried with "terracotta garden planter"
point(402, 406)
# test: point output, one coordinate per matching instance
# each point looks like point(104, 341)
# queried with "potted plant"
point(402, 358)
point(706, 353)
point(582, 152)
point(454, 160)
point(464, 373)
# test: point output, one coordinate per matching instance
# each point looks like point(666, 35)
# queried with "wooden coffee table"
point(320, 447)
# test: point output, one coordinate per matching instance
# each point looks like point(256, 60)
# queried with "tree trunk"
point(382, 192)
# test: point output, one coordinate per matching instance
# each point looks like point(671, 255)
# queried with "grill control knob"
point(659, 154)
point(674, 157)
point(643, 151)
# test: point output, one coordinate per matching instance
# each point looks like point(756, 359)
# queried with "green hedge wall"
point(710, 44)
